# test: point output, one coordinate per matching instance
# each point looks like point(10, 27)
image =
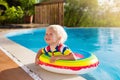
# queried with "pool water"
point(103, 42)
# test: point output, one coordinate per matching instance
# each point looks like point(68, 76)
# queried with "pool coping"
point(13, 50)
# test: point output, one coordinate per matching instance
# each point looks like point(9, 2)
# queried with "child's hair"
point(60, 31)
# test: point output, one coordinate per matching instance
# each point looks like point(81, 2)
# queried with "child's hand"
point(54, 58)
point(36, 61)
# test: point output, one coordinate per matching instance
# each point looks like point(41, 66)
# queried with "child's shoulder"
point(64, 46)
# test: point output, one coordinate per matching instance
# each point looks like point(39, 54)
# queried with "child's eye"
point(51, 34)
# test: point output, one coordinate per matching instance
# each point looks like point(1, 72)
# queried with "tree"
point(13, 3)
point(109, 14)
point(14, 14)
point(47, 0)
point(28, 6)
point(80, 12)
point(3, 7)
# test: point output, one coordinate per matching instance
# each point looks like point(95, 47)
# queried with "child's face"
point(51, 36)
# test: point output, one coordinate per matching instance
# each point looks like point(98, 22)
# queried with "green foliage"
point(87, 13)
point(13, 3)
point(28, 6)
point(4, 3)
point(2, 18)
point(44, 0)
point(79, 12)
point(14, 15)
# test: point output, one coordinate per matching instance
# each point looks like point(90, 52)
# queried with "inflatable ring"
point(84, 63)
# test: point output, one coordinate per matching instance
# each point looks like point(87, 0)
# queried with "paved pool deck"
point(9, 70)
point(25, 59)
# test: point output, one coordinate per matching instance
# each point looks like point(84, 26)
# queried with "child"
point(55, 37)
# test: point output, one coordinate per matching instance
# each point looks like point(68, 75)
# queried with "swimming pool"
point(103, 42)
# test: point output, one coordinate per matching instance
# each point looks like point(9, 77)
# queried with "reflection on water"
point(103, 42)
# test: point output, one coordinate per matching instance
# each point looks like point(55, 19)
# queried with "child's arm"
point(62, 57)
point(37, 56)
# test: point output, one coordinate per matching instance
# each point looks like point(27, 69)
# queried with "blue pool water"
point(103, 42)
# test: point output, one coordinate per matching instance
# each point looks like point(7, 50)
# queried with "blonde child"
point(55, 37)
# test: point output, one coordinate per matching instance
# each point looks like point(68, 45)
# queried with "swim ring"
point(84, 63)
